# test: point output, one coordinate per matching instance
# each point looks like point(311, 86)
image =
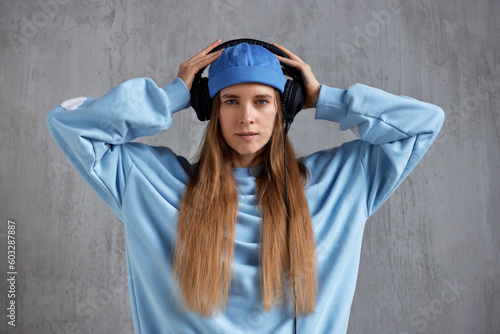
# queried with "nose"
point(247, 114)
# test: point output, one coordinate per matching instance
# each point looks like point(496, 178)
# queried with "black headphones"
point(292, 97)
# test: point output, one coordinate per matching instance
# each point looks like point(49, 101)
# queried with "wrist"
point(316, 95)
point(179, 95)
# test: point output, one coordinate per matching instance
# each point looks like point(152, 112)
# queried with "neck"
point(239, 161)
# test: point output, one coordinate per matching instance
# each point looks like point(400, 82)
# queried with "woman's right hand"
point(311, 84)
point(188, 69)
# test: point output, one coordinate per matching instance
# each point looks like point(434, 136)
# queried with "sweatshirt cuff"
point(178, 95)
point(330, 104)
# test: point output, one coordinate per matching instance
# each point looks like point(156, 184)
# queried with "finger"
point(206, 50)
point(211, 46)
point(207, 59)
point(287, 61)
point(289, 53)
point(191, 67)
point(298, 65)
point(204, 60)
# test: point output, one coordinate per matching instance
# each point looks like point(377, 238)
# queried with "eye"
point(262, 102)
point(230, 102)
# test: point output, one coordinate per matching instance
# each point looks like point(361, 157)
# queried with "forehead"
point(248, 89)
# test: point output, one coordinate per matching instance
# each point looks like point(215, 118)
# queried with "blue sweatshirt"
point(144, 184)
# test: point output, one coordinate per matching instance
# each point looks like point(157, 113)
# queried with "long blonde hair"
point(207, 218)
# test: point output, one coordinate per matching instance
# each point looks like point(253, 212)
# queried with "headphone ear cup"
point(200, 99)
point(292, 100)
point(285, 99)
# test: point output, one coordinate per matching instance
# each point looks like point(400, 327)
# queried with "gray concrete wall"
point(430, 261)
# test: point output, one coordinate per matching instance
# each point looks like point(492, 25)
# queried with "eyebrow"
point(258, 96)
point(263, 96)
point(229, 96)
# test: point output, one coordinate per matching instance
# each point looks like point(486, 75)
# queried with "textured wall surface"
point(430, 259)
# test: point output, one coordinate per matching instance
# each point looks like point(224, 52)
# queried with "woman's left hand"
point(311, 84)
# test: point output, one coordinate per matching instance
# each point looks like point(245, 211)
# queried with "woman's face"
point(246, 116)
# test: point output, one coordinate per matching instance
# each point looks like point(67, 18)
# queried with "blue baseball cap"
point(245, 63)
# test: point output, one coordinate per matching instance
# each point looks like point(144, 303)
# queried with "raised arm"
point(92, 133)
point(395, 132)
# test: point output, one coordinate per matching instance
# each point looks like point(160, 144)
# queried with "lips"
point(247, 136)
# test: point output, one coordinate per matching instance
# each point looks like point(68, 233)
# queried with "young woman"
point(212, 246)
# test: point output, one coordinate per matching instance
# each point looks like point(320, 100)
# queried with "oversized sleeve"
point(93, 133)
point(395, 132)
